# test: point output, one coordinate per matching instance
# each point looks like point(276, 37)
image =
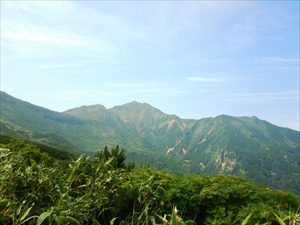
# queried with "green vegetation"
point(38, 189)
point(53, 152)
point(259, 151)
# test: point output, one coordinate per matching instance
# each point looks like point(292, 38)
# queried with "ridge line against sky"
point(194, 59)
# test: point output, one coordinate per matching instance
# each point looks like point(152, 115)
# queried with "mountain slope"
point(53, 152)
point(86, 135)
point(75, 134)
point(256, 149)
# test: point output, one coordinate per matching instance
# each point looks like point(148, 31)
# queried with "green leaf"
point(279, 220)
point(55, 218)
point(89, 182)
point(73, 219)
point(246, 220)
point(174, 214)
point(19, 210)
point(42, 217)
point(152, 220)
point(96, 222)
point(29, 218)
point(5, 201)
point(25, 213)
point(112, 221)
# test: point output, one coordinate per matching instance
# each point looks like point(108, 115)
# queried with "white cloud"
point(277, 59)
point(17, 31)
point(111, 91)
point(274, 38)
point(50, 10)
point(242, 27)
point(51, 66)
point(75, 95)
point(45, 28)
point(201, 79)
point(254, 23)
point(281, 68)
point(122, 85)
point(268, 97)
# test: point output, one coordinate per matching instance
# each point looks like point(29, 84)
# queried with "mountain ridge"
point(224, 144)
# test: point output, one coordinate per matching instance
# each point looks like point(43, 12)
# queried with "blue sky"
point(194, 59)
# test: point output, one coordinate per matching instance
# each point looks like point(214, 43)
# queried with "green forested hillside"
point(246, 146)
point(37, 189)
point(46, 138)
point(23, 119)
point(256, 149)
point(53, 152)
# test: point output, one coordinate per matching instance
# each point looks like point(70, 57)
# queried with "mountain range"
point(246, 146)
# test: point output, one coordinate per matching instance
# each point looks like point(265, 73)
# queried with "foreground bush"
point(36, 189)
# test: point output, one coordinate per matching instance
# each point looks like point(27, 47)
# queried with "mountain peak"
point(88, 108)
point(95, 112)
point(136, 108)
point(135, 104)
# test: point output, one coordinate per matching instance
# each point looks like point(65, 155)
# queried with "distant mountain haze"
point(247, 146)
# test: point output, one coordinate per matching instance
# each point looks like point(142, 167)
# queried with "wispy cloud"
point(267, 97)
point(52, 66)
point(243, 27)
point(202, 79)
point(42, 28)
point(123, 85)
point(49, 9)
point(254, 23)
point(31, 34)
point(274, 38)
point(133, 91)
point(76, 95)
point(105, 94)
point(277, 59)
point(281, 68)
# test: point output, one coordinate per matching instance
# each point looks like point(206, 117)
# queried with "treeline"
point(38, 189)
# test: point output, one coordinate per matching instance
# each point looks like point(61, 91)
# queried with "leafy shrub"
point(37, 189)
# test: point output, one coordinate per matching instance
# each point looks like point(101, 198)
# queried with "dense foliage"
point(37, 189)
